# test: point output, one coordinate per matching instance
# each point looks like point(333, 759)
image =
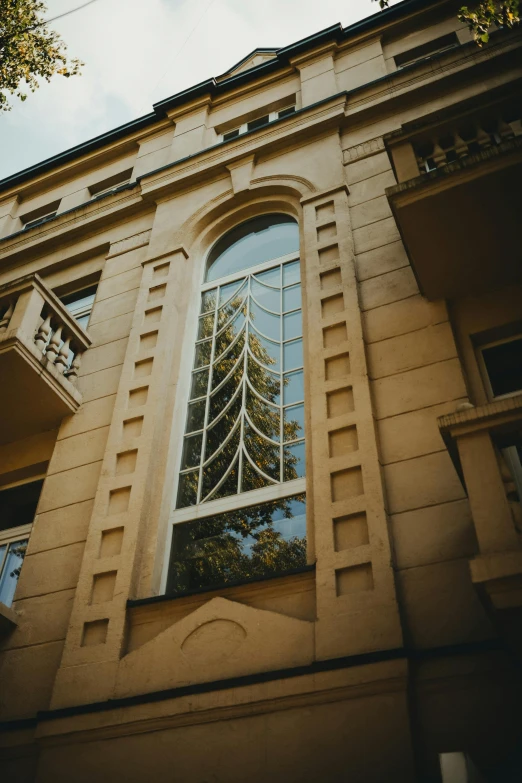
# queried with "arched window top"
point(252, 243)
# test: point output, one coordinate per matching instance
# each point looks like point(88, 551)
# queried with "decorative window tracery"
point(245, 420)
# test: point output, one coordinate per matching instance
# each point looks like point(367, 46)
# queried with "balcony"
point(485, 444)
point(41, 346)
point(458, 199)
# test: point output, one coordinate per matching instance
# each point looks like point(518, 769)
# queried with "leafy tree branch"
point(29, 50)
point(484, 16)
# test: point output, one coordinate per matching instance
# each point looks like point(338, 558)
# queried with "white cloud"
point(136, 52)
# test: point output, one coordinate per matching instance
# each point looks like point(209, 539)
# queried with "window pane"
point(272, 277)
point(292, 325)
point(11, 570)
point(293, 385)
point(291, 273)
point(196, 416)
point(264, 322)
point(199, 384)
point(270, 298)
point(191, 451)
point(227, 292)
point(266, 351)
point(293, 355)
point(215, 470)
point(294, 461)
point(208, 301)
point(252, 243)
point(265, 417)
point(203, 351)
point(504, 366)
point(294, 422)
point(188, 489)
point(265, 383)
point(292, 298)
point(205, 326)
point(18, 504)
point(244, 544)
point(264, 455)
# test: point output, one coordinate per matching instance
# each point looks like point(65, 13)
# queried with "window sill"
point(222, 590)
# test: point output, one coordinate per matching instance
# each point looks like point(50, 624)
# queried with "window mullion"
point(207, 400)
point(243, 395)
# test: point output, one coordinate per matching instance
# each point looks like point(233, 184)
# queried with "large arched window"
point(244, 430)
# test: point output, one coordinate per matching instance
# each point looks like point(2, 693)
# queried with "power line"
point(65, 13)
point(187, 39)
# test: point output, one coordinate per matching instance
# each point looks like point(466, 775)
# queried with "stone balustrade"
point(31, 312)
point(41, 348)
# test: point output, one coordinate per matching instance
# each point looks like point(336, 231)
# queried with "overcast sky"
point(137, 52)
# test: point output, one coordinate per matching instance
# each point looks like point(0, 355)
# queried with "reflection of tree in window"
point(242, 544)
point(245, 418)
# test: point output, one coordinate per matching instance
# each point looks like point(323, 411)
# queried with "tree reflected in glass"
point(261, 540)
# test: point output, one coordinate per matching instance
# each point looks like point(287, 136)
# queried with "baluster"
point(43, 333)
point(54, 345)
point(483, 138)
point(62, 360)
point(504, 130)
point(4, 321)
point(461, 145)
point(72, 374)
point(438, 155)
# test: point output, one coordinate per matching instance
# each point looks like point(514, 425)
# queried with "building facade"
point(260, 424)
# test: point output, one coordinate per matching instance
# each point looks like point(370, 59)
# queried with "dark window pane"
point(244, 544)
point(504, 366)
point(252, 479)
point(196, 416)
point(191, 451)
point(220, 399)
point(188, 489)
point(254, 124)
point(231, 134)
point(293, 355)
point(18, 504)
point(286, 112)
point(252, 243)
point(217, 434)
point(230, 332)
point(215, 470)
point(199, 384)
point(203, 352)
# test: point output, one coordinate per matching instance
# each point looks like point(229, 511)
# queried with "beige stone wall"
point(389, 525)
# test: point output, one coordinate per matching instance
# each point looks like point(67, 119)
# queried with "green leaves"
point(29, 50)
point(488, 14)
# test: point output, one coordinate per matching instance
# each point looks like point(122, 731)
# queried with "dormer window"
point(259, 122)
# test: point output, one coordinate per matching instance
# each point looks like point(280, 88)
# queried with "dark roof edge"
point(212, 87)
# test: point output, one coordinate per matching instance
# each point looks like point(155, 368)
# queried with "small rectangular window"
point(503, 365)
point(285, 112)
point(231, 134)
point(425, 50)
point(110, 183)
point(80, 304)
point(17, 509)
point(255, 124)
point(41, 215)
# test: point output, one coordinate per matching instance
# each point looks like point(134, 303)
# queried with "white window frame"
point(254, 497)
point(484, 370)
point(272, 116)
point(20, 532)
